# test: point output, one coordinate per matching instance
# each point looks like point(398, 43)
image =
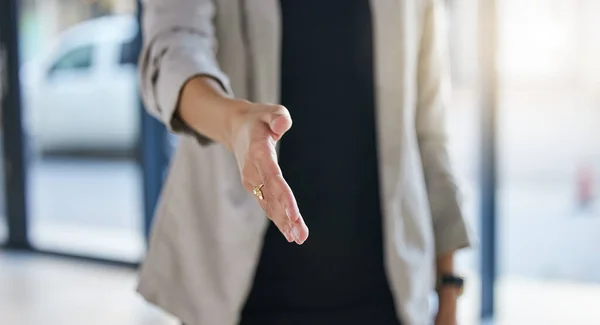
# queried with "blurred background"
point(83, 164)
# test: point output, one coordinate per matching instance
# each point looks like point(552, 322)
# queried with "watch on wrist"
point(451, 280)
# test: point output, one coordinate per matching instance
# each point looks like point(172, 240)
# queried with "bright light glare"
point(537, 37)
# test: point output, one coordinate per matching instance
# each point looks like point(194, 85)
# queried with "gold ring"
point(257, 191)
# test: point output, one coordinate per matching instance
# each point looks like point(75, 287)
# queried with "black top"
point(329, 159)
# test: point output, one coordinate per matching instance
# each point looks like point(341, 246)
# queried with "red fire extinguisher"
point(585, 184)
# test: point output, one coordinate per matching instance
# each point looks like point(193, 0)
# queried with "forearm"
point(447, 294)
point(445, 264)
point(207, 109)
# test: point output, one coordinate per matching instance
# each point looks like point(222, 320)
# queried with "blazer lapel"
point(388, 38)
point(264, 36)
point(263, 28)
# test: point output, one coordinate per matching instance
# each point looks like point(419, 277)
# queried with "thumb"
point(279, 120)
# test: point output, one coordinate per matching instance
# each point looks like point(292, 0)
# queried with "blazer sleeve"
point(179, 44)
point(450, 227)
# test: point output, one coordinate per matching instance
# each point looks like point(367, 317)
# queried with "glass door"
point(463, 127)
point(81, 119)
point(549, 212)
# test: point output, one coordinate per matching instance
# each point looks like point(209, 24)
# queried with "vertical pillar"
point(489, 92)
point(13, 155)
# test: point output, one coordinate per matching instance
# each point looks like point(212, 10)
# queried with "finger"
point(300, 231)
point(276, 190)
point(274, 194)
point(274, 184)
point(273, 210)
point(286, 199)
point(279, 193)
point(279, 120)
point(270, 172)
point(251, 179)
point(280, 124)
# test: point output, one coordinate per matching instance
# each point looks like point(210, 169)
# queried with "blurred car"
point(81, 94)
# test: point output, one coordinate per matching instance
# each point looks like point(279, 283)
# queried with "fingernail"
point(296, 234)
point(288, 237)
point(272, 124)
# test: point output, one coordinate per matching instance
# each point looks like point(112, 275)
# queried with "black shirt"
point(329, 159)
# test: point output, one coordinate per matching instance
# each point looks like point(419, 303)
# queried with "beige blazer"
point(208, 230)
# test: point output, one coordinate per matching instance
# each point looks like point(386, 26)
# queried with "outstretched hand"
point(255, 133)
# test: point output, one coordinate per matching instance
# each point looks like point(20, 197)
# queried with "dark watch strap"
point(451, 280)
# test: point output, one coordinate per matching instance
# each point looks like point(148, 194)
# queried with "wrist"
point(207, 109)
point(234, 111)
point(448, 294)
point(450, 283)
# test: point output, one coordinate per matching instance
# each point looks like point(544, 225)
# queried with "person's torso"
point(329, 158)
point(209, 231)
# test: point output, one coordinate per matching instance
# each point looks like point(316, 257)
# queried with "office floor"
point(42, 290)
point(46, 290)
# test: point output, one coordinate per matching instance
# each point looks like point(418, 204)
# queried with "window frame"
point(55, 67)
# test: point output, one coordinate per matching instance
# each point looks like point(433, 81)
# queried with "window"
point(77, 59)
point(85, 186)
point(463, 127)
point(129, 53)
point(549, 149)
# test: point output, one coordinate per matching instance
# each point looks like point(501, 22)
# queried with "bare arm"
point(207, 109)
point(450, 228)
point(184, 87)
point(447, 295)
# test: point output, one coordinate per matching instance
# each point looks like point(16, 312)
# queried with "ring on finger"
point(257, 191)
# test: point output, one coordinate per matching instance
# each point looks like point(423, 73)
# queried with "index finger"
point(275, 184)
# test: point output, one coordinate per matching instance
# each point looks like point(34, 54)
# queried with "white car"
point(81, 94)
